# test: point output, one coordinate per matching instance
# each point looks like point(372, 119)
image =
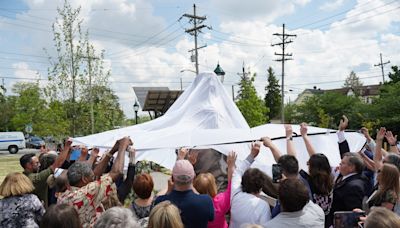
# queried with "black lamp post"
point(136, 109)
point(220, 72)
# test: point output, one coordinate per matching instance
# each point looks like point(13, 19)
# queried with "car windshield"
point(36, 139)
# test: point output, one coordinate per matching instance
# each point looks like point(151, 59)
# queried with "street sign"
point(28, 128)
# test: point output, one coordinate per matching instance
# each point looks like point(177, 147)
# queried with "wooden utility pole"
point(284, 37)
point(197, 26)
point(381, 64)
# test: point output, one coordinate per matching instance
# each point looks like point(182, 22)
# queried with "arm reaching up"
point(289, 140)
point(275, 151)
point(231, 160)
point(63, 155)
point(392, 140)
point(309, 146)
point(118, 166)
point(126, 186)
point(378, 149)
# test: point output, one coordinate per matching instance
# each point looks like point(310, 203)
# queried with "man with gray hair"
point(196, 210)
point(86, 194)
point(117, 217)
point(351, 186)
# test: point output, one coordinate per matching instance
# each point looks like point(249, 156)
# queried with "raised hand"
point(303, 129)
point(182, 153)
point(231, 159)
point(344, 122)
point(288, 130)
point(267, 141)
point(255, 149)
point(392, 140)
point(365, 132)
point(95, 152)
point(381, 134)
point(125, 141)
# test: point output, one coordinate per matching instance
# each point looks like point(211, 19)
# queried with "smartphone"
point(276, 173)
point(75, 154)
point(347, 219)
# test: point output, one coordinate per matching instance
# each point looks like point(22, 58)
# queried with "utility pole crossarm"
point(195, 28)
point(194, 17)
point(283, 43)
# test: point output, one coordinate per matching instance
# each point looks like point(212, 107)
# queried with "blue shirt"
point(196, 210)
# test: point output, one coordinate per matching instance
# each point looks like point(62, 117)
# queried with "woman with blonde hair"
point(388, 187)
point(165, 215)
point(19, 208)
point(205, 184)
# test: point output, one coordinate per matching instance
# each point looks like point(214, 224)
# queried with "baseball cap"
point(183, 171)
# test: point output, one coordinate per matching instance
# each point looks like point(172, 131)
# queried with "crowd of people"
point(56, 191)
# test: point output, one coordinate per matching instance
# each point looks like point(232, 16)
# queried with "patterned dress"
point(21, 211)
point(87, 200)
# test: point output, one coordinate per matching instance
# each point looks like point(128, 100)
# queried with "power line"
point(327, 82)
point(351, 22)
point(329, 17)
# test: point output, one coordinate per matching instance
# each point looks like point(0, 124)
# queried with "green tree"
point(251, 106)
point(325, 110)
point(76, 70)
point(7, 104)
point(353, 81)
point(273, 98)
point(386, 109)
point(395, 75)
point(29, 106)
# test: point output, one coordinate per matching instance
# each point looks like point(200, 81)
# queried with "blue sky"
point(145, 44)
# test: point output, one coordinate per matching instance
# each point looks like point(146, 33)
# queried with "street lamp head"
point(136, 106)
point(220, 72)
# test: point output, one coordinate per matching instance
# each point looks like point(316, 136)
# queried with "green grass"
point(9, 164)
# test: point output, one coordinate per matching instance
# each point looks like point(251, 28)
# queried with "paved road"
point(19, 154)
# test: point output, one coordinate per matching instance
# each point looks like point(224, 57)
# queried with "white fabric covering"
point(205, 115)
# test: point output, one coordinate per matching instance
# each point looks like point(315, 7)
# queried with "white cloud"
point(22, 70)
point(263, 10)
point(247, 30)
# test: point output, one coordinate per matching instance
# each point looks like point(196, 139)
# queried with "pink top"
point(222, 204)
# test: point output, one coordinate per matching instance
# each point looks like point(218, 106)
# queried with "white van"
point(12, 141)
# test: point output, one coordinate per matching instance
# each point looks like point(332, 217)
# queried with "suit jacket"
point(348, 194)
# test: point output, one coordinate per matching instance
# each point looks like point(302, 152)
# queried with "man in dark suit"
point(350, 187)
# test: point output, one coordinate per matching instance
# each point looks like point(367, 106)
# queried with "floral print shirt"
point(87, 200)
point(21, 211)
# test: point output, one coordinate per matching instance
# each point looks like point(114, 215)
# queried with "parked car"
point(12, 141)
point(34, 142)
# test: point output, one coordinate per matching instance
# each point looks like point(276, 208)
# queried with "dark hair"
point(293, 195)
point(355, 160)
point(143, 185)
point(60, 216)
point(253, 180)
point(25, 159)
point(289, 164)
point(320, 174)
point(394, 159)
point(46, 160)
point(270, 188)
